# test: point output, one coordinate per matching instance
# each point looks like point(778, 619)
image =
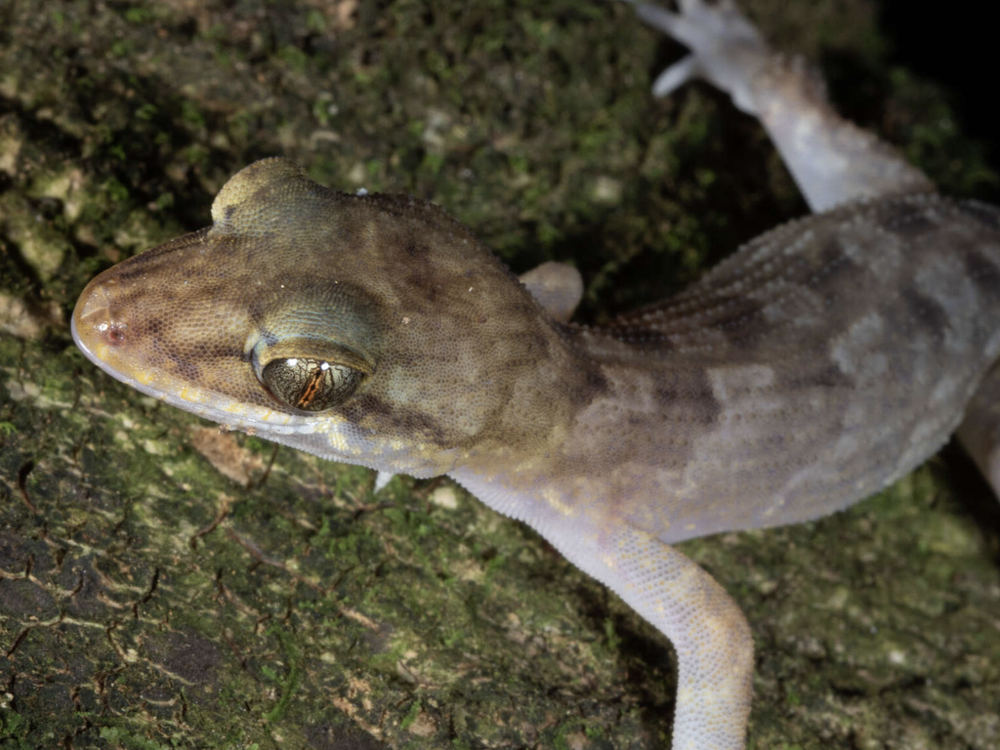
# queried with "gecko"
point(817, 364)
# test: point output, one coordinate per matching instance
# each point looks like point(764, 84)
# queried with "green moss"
point(280, 611)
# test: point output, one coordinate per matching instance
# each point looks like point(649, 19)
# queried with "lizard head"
point(369, 329)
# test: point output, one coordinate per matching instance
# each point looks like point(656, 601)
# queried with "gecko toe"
point(676, 76)
point(726, 49)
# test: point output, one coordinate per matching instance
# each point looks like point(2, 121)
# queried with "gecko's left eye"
point(310, 384)
point(309, 374)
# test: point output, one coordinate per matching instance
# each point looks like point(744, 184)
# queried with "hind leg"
point(832, 160)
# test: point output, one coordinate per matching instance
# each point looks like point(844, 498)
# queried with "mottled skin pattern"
point(287, 258)
point(819, 363)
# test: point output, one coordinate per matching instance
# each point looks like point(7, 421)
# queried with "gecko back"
point(821, 362)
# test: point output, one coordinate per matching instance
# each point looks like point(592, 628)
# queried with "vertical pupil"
point(310, 384)
point(312, 387)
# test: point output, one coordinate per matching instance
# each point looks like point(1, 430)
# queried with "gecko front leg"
point(706, 627)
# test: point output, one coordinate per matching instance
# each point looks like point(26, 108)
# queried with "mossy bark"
point(163, 584)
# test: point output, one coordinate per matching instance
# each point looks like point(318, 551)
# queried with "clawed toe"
point(726, 49)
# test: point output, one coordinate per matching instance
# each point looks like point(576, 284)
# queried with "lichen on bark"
point(163, 584)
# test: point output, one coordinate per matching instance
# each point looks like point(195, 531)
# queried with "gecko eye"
point(311, 374)
point(310, 384)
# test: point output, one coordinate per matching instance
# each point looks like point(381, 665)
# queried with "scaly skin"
point(822, 361)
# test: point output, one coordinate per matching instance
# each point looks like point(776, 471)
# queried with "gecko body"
point(820, 362)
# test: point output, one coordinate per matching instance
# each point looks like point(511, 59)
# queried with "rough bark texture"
point(166, 585)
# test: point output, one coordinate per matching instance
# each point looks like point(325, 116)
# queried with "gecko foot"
point(726, 49)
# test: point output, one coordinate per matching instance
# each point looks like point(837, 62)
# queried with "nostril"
point(93, 324)
point(111, 332)
point(115, 334)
